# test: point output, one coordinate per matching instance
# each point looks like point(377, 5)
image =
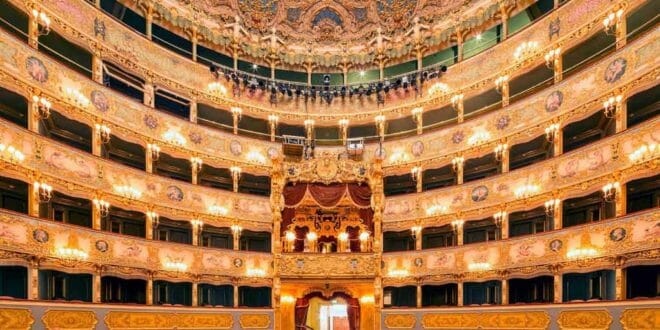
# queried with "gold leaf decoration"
point(584, 319)
point(450, 321)
point(400, 321)
point(15, 319)
point(254, 321)
point(642, 318)
point(503, 320)
point(69, 319)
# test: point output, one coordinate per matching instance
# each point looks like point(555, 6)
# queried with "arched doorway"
point(339, 311)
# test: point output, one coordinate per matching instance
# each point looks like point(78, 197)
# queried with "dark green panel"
point(400, 69)
point(369, 75)
point(252, 69)
point(445, 57)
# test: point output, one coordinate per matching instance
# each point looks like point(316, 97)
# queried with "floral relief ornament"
point(150, 121)
point(503, 122)
point(195, 137)
point(554, 101)
point(100, 101)
point(458, 137)
point(36, 68)
point(40, 235)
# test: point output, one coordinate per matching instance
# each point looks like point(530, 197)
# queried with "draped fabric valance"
point(328, 196)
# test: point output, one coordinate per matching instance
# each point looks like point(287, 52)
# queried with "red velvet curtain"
point(328, 195)
point(352, 309)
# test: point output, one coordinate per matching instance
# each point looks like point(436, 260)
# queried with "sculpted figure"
point(273, 39)
point(237, 28)
point(416, 30)
point(379, 40)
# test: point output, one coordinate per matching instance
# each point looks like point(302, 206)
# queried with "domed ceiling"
point(326, 21)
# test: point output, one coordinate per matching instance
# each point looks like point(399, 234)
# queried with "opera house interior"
point(329, 164)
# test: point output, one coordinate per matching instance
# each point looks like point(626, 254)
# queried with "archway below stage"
point(339, 311)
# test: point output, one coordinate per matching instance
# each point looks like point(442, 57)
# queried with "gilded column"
point(149, 225)
point(234, 54)
point(558, 68)
point(195, 295)
point(149, 160)
point(504, 227)
point(236, 302)
point(459, 173)
point(149, 18)
point(557, 283)
point(558, 143)
point(621, 115)
point(97, 144)
point(33, 279)
point(620, 202)
point(96, 289)
point(558, 215)
point(459, 44)
point(97, 67)
point(459, 109)
point(505, 291)
point(149, 98)
point(377, 203)
point(96, 217)
point(193, 110)
point(418, 241)
point(33, 201)
point(459, 235)
point(236, 236)
point(419, 293)
point(621, 32)
point(620, 278)
point(195, 174)
point(33, 31)
point(381, 68)
point(196, 231)
point(459, 292)
point(194, 40)
point(505, 19)
point(505, 160)
point(33, 115)
point(150, 289)
point(505, 93)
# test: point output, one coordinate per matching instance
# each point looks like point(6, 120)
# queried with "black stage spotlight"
point(214, 70)
point(443, 68)
point(298, 91)
point(404, 82)
point(326, 79)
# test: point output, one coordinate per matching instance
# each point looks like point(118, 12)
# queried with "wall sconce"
point(196, 163)
point(457, 224)
point(551, 206)
point(581, 253)
point(457, 163)
point(500, 150)
point(380, 125)
point(309, 128)
point(526, 190)
point(42, 105)
point(456, 101)
point(71, 253)
point(255, 157)
point(479, 266)
point(343, 129)
point(416, 173)
point(398, 272)
point(343, 236)
point(236, 114)
point(611, 106)
point(272, 122)
point(438, 88)
point(174, 138)
point(236, 229)
point(552, 57)
point(501, 83)
point(499, 218)
point(436, 209)
point(255, 272)
point(478, 138)
point(235, 176)
point(128, 192)
point(418, 118)
point(43, 21)
point(217, 88)
point(76, 97)
point(551, 132)
point(643, 153)
point(287, 299)
point(154, 150)
point(526, 49)
point(611, 21)
point(311, 236)
point(611, 191)
point(217, 210)
point(102, 206)
point(44, 191)
point(290, 236)
point(103, 132)
point(197, 224)
point(11, 154)
point(175, 266)
point(416, 231)
point(367, 300)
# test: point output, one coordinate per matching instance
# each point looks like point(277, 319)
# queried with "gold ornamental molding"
point(254, 321)
point(69, 319)
point(166, 320)
point(501, 320)
point(584, 320)
point(641, 319)
point(115, 48)
point(16, 319)
point(400, 321)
